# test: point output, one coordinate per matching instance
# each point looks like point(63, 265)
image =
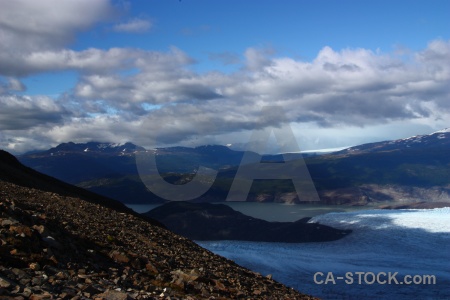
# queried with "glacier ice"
point(410, 242)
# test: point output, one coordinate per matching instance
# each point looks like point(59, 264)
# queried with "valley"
point(400, 171)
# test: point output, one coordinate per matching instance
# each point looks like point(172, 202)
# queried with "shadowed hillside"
point(56, 243)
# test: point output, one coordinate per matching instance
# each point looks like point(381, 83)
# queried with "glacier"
point(410, 242)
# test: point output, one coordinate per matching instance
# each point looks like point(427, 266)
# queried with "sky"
point(184, 72)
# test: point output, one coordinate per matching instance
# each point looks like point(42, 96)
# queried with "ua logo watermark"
point(149, 174)
point(250, 168)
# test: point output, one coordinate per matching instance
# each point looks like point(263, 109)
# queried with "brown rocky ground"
point(55, 246)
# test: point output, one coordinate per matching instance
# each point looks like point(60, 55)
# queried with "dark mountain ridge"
point(436, 139)
point(91, 147)
point(411, 169)
point(110, 169)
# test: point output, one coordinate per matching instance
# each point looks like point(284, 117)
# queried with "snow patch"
point(109, 145)
point(445, 130)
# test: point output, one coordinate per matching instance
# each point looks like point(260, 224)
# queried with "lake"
point(272, 211)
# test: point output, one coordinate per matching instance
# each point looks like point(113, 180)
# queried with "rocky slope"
point(54, 245)
point(206, 221)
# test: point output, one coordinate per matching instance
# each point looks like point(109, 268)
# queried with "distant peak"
point(445, 130)
point(211, 146)
point(97, 147)
point(419, 137)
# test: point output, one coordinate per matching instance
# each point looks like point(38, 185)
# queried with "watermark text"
point(373, 278)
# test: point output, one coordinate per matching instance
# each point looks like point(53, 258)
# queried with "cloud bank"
point(131, 94)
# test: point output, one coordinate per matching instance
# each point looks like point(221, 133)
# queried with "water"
point(142, 208)
point(279, 212)
point(271, 211)
point(409, 242)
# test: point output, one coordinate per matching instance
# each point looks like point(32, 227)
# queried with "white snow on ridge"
point(326, 150)
point(414, 139)
point(109, 145)
point(442, 130)
point(417, 138)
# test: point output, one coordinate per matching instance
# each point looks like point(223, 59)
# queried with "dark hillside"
point(11, 170)
point(55, 244)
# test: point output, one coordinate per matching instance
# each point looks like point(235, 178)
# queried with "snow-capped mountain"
point(439, 138)
point(110, 168)
point(413, 168)
point(92, 147)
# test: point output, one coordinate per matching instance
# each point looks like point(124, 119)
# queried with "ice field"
point(410, 242)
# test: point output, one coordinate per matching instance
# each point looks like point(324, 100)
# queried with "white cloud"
point(134, 26)
point(25, 112)
point(257, 58)
point(16, 85)
point(90, 61)
point(12, 85)
point(33, 34)
point(46, 24)
point(350, 88)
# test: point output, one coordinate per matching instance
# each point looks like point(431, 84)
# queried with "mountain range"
point(405, 170)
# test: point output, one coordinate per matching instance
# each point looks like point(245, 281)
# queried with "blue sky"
point(194, 72)
point(209, 30)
